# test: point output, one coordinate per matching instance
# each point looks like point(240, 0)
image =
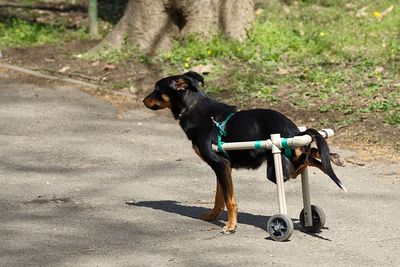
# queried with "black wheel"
point(318, 219)
point(280, 227)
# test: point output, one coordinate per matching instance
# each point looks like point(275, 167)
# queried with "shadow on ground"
point(194, 212)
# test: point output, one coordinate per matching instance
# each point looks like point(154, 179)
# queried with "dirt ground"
point(70, 160)
point(132, 79)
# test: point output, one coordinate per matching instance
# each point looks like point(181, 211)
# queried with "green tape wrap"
point(257, 145)
point(286, 148)
point(284, 143)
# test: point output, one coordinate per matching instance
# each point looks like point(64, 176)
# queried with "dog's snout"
point(148, 101)
point(153, 102)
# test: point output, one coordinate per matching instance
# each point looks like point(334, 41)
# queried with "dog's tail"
point(323, 149)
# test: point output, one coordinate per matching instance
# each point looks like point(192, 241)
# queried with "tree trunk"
point(153, 24)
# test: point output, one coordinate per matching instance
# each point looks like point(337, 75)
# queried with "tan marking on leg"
point(230, 203)
point(298, 171)
point(334, 157)
point(219, 206)
point(315, 153)
point(197, 151)
point(298, 151)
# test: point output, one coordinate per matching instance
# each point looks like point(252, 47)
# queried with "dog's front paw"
point(229, 228)
point(209, 215)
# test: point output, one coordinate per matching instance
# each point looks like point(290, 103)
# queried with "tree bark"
point(153, 24)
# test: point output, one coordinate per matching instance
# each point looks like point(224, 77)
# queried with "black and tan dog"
point(197, 114)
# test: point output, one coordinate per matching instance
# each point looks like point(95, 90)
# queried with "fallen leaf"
point(379, 69)
point(259, 11)
point(362, 12)
point(282, 71)
point(64, 69)
point(109, 66)
point(379, 15)
point(203, 69)
point(132, 90)
point(49, 60)
point(286, 9)
point(349, 6)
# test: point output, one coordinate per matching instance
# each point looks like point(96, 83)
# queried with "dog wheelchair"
point(280, 226)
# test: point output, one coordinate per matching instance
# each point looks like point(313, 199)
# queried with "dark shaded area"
point(177, 16)
point(70, 16)
point(65, 7)
point(194, 212)
point(111, 11)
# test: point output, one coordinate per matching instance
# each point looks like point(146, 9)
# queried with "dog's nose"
point(147, 101)
point(151, 103)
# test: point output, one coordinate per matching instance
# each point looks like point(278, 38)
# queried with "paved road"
point(68, 164)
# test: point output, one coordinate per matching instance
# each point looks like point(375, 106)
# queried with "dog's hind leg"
point(303, 161)
point(219, 205)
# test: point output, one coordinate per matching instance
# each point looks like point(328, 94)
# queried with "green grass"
point(336, 57)
point(20, 33)
point(113, 55)
point(322, 53)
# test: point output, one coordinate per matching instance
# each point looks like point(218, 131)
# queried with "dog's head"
point(170, 91)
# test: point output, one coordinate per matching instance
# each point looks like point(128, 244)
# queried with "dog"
point(198, 116)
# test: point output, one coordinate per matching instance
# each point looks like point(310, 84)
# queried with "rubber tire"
point(318, 217)
point(280, 227)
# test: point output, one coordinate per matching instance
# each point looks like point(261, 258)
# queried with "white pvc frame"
point(275, 144)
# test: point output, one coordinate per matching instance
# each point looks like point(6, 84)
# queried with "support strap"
point(221, 133)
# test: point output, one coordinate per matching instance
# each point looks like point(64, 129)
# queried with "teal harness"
point(221, 133)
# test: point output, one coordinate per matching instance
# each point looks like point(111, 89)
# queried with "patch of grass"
point(118, 85)
point(28, 1)
point(20, 33)
point(112, 55)
point(331, 54)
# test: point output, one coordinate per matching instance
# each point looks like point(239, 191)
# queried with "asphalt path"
point(68, 164)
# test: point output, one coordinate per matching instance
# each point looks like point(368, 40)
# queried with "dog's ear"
point(195, 76)
point(184, 83)
point(179, 84)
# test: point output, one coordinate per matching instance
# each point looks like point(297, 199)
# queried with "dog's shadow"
point(194, 212)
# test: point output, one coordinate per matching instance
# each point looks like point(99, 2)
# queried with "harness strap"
point(221, 133)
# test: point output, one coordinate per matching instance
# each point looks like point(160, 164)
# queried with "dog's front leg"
point(225, 179)
point(219, 205)
point(224, 194)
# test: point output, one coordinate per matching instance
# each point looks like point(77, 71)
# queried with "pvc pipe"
point(267, 144)
point(297, 141)
point(276, 138)
point(326, 133)
point(305, 188)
